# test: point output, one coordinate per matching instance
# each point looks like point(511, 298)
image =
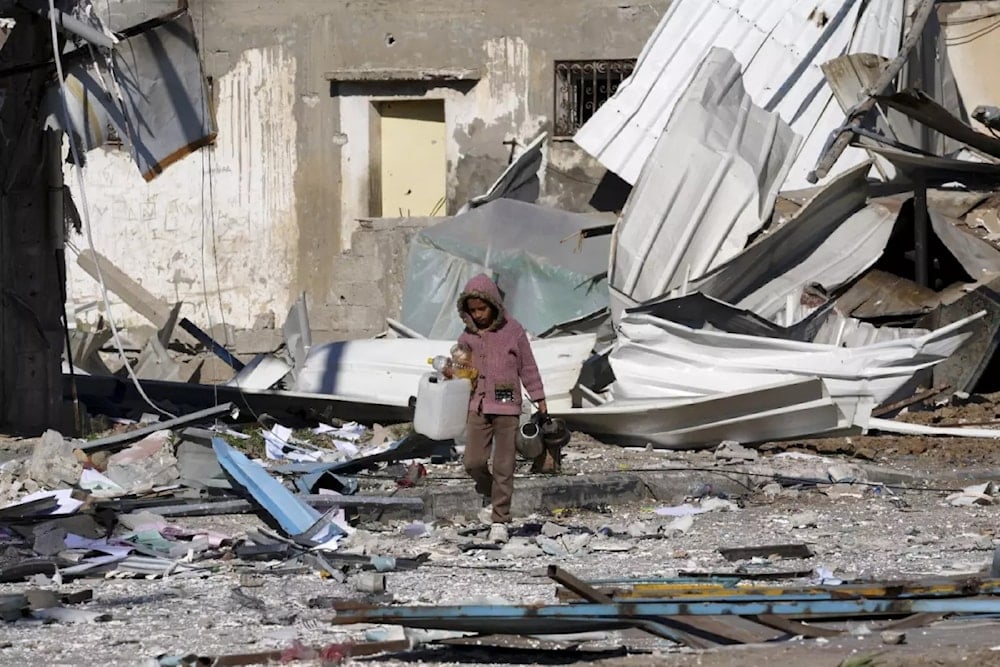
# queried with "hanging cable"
point(208, 225)
point(85, 211)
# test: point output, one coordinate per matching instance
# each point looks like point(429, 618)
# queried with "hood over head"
point(481, 287)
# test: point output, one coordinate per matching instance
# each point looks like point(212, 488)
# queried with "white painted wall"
point(154, 231)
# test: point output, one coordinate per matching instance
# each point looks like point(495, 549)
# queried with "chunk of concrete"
point(53, 463)
point(680, 525)
point(49, 540)
point(518, 547)
point(576, 543)
point(145, 464)
point(551, 547)
point(730, 450)
point(553, 530)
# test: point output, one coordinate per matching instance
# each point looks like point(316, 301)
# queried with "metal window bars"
point(582, 86)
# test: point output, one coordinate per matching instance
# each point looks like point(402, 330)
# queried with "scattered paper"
point(279, 449)
point(979, 494)
point(681, 524)
point(99, 484)
point(824, 577)
point(66, 504)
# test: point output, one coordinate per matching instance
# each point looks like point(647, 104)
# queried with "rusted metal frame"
point(888, 590)
point(795, 627)
point(628, 613)
point(921, 232)
point(591, 594)
point(842, 136)
point(916, 398)
point(699, 633)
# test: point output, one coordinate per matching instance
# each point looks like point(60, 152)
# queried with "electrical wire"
point(208, 188)
point(960, 40)
point(85, 211)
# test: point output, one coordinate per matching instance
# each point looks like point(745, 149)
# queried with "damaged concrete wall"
point(973, 50)
point(293, 166)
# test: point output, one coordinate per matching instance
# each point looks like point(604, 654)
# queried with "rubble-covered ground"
point(855, 531)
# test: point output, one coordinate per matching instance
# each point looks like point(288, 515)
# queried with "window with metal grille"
point(582, 86)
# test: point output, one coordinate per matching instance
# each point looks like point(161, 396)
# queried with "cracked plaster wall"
point(291, 165)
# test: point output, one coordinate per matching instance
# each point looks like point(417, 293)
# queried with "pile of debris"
point(741, 302)
point(100, 507)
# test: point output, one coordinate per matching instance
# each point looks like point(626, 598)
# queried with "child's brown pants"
point(497, 433)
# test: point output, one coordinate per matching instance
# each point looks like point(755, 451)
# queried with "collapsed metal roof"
point(781, 45)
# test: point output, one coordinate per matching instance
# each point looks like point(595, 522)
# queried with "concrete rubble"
point(768, 383)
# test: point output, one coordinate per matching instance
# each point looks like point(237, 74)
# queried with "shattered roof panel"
point(781, 45)
point(710, 183)
point(830, 241)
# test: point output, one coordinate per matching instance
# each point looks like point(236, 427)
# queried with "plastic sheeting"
point(548, 275)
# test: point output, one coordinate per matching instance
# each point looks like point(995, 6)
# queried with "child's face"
point(480, 311)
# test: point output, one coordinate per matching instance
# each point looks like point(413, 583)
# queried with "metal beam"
point(842, 136)
point(514, 619)
point(121, 439)
point(591, 594)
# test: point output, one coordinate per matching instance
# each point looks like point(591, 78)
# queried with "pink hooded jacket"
point(501, 354)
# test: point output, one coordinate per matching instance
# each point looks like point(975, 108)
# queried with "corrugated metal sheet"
point(781, 45)
point(843, 331)
point(655, 358)
point(786, 409)
point(710, 183)
point(830, 241)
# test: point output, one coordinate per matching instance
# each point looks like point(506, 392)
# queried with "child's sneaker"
point(485, 515)
point(498, 534)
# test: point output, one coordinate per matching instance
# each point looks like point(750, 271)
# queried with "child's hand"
point(543, 407)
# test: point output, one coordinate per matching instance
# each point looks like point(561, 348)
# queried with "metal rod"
point(536, 616)
point(209, 342)
point(921, 234)
point(839, 141)
point(121, 439)
point(68, 23)
point(591, 594)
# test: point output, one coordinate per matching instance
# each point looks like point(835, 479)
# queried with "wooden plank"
point(656, 628)
point(912, 621)
point(795, 627)
point(319, 501)
point(765, 551)
point(137, 297)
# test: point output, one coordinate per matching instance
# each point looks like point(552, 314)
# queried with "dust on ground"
point(855, 532)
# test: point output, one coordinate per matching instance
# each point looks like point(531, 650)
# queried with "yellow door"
point(412, 175)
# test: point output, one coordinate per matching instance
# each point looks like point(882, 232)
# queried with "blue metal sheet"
point(293, 516)
point(561, 618)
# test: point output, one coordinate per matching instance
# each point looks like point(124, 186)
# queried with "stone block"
point(53, 463)
point(144, 465)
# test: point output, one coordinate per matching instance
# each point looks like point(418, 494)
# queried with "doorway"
point(410, 148)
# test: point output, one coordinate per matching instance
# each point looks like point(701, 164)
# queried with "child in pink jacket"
point(502, 355)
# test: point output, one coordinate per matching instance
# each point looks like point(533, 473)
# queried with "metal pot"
point(529, 440)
